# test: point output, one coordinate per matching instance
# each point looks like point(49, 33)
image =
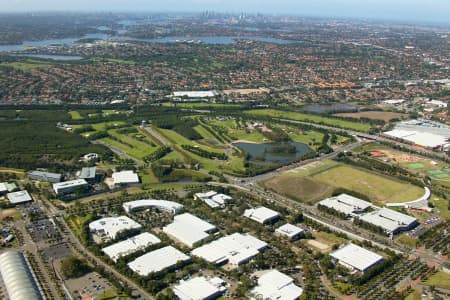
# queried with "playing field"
point(300, 188)
point(378, 188)
point(416, 166)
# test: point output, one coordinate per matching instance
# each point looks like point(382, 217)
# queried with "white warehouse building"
point(235, 249)
point(262, 215)
point(275, 285)
point(130, 246)
point(390, 220)
point(355, 257)
point(189, 229)
point(111, 226)
point(200, 288)
point(157, 260)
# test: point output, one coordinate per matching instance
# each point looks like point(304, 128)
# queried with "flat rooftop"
point(275, 285)
point(111, 226)
point(125, 177)
point(261, 214)
point(289, 230)
point(131, 245)
point(346, 204)
point(200, 288)
point(157, 260)
point(170, 206)
point(189, 229)
point(235, 248)
point(388, 219)
point(19, 197)
point(356, 257)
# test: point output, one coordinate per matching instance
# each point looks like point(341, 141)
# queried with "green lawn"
point(26, 66)
point(378, 188)
point(310, 118)
point(442, 205)
point(75, 115)
point(440, 279)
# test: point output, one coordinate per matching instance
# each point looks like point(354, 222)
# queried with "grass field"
point(130, 144)
point(378, 188)
point(364, 127)
point(374, 115)
point(300, 188)
point(440, 279)
point(75, 115)
point(27, 65)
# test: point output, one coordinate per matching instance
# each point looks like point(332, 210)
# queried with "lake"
point(330, 108)
point(261, 153)
point(215, 40)
point(52, 57)
point(43, 43)
point(212, 40)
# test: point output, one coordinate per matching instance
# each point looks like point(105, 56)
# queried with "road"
point(116, 151)
point(86, 253)
point(157, 136)
point(378, 138)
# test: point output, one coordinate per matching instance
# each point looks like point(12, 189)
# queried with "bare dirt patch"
point(374, 115)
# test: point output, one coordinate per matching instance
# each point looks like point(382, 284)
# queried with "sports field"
point(364, 127)
point(300, 188)
point(378, 188)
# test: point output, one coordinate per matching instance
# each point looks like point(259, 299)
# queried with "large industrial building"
point(423, 133)
point(200, 288)
point(346, 204)
point(262, 215)
point(235, 249)
point(19, 197)
point(195, 94)
point(290, 231)
point(131, 245)
point(170, 206)
point(390, 220)
point(111, 226)
point(125, 178)
point(17, 278)
point(6, 187)
point(275, 285)
point(45, 176)
point(189, 229)
point(71, 186)
point(355, 257)
point(213, 199)
point(157, 260)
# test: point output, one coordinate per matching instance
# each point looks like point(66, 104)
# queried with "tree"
point(73, 267)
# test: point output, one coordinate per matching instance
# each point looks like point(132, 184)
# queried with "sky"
point(401, 10)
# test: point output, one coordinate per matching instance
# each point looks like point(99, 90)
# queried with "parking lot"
point(43, 230)
point(91, 284)
point(56, 251)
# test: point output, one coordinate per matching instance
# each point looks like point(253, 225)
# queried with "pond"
point(52, 57)
point(330, 108)
point(265, 153)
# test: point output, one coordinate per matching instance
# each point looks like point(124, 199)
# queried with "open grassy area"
point(27, 65)
point(440, 279)
point(378, 188)
point(299, 188)
point(442, 205)
point(364, 127)
point(75, 115)
point(10, 212)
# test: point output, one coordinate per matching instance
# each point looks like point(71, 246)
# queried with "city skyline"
point(435, 11)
